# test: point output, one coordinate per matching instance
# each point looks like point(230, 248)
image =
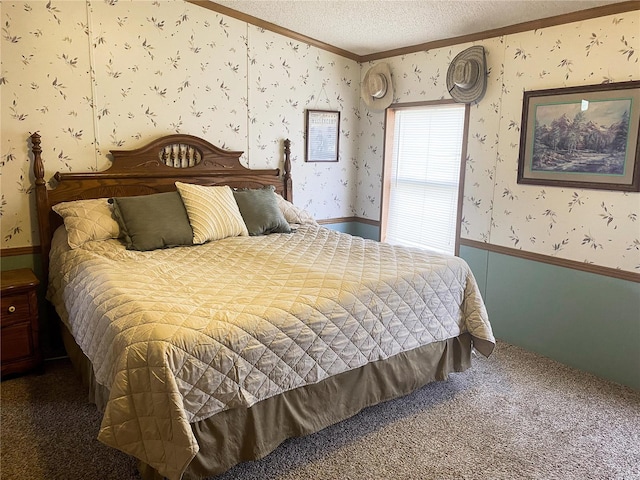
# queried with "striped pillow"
point(213, 212)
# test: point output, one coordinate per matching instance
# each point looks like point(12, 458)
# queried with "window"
point(424, 151)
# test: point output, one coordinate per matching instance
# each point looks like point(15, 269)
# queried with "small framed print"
point(323, 135)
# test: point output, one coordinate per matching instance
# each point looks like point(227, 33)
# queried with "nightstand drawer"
point(14, 308)
point(16, 342)
point(19, 319)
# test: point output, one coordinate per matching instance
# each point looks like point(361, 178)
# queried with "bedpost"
point(42, 204)
point(288, 184)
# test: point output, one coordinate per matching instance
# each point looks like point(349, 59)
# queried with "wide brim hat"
point(377, 89)
point(467, 75)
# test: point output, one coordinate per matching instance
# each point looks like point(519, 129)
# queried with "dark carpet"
point(516, 415)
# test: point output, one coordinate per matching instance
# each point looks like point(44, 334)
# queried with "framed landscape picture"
point(582, 137)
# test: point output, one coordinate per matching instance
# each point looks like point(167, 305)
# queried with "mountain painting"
point(582, 137)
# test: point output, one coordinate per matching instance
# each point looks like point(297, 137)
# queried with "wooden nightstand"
point(19, 318)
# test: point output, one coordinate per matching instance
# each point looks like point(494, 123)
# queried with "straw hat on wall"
point(467, 76)
point(376, 89)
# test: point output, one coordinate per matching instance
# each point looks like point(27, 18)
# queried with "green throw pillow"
point(260, 211)
point(149, 222)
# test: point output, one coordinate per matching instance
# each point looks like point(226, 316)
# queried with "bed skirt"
point(239, 435)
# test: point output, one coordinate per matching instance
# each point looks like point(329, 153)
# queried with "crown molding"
point(578, 16)
point(272, 27)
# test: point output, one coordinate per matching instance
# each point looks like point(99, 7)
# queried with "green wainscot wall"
point(588, 321)
point(358, 229)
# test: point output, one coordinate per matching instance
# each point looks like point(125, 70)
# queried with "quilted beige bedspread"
point(178, 335)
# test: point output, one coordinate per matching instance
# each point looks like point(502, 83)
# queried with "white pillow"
point(293, 214)
point(213, 212)
point(87, 220)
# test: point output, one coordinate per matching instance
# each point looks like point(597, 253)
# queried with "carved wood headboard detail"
point(153, 168)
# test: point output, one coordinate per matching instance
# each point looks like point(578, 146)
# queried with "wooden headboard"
point(153, 168)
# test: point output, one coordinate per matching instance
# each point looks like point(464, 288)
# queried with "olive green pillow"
point(149, 222)
point(260, 211)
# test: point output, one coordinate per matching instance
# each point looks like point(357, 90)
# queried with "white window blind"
point(425, 173)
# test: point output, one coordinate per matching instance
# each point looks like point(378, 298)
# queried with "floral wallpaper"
point(94, 76)
point(288, 78)
point(44, 86)
point(594, 226)
point(91, 76)
point(166, 67)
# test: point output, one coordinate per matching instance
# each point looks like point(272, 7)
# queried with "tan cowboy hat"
point(467, 76)
point(376, 89)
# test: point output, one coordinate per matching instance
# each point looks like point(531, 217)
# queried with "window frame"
point(387, 163)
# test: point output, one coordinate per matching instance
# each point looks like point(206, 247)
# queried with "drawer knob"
point(12, 309)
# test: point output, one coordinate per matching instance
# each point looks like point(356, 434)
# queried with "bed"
point(205, 355)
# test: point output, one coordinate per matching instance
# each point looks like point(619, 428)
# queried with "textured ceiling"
point(365, 27)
